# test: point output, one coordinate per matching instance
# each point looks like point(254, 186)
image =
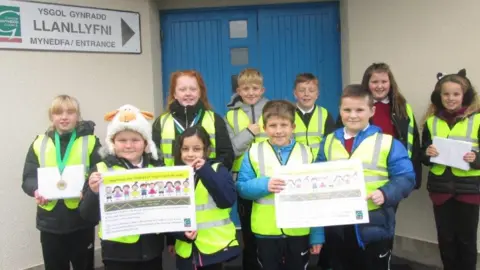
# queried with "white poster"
point(143, 201)
point(322, 194)
point(53, 27)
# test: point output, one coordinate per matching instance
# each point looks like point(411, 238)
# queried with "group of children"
point(235, 158)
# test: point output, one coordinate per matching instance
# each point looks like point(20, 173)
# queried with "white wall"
point(30, 80)
point(418, 39)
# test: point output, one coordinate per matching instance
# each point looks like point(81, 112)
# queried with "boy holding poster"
point(277, 248)
point(128, 146)
point(389, 178)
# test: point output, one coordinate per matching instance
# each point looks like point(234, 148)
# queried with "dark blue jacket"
point(402, 181)
point(221, 187)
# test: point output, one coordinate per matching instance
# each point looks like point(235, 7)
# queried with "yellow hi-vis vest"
point(264, 161)
point(238, 121)
point(44, 148)
point(215, 230)
point(465, 130)
point(129, 239)
point(373, 151)
point(168, 135)
point(411, 127)
point(313, 134)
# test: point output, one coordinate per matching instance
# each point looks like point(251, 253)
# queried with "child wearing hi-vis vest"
point(245, 126)
point(389, 178)
point(214, 242)
point(277, 248)
point(66, 238)
point(128, 145)
point(455, 193)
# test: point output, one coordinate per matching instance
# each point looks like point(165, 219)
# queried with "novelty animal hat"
point(129, 117)
point(468, 96)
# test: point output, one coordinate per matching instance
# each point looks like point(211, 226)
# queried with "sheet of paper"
point(322, 194)
point(451, 152)
point(143, 201)
point(53, 186)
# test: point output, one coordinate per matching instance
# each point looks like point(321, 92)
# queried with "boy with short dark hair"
point(389, 178)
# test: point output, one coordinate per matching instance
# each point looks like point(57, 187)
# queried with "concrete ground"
point(397, 264)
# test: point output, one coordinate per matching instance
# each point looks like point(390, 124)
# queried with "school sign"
point(53, 27)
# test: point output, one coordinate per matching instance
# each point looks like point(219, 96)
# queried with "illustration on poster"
point(320, 182)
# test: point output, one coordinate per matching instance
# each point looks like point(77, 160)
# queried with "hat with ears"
point(129, 117)
point(442, 77)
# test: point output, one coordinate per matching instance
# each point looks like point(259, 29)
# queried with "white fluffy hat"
point(129, 117)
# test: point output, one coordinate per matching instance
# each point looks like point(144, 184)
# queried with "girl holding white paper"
point(65, 237)
point(455, 193)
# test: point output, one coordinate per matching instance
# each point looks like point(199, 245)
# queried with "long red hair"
point(201, 84)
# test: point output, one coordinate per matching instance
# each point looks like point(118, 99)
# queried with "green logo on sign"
point(10, 30)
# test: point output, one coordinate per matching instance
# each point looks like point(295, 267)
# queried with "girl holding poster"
point(215, 240)
point(128, 146)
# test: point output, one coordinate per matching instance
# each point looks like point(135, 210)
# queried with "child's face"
point(65, 119)
point(306, 93)
point(379, 85)
point(452, 96)
point(152, 185)
point(108, 189)
point(135, 188)
point(250, 93)
point(355, 113)
point(192, 149)
point(185, 184)
point(126, 188)
point(161, 185)
point(187, 91)
point(279, 130)
point(129, 145)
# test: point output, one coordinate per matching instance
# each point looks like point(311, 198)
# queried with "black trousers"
point(291, 253)
point(249, 254)
point(325, 256)
point(457, 224)
point(348, 255)
point(77, 248)
point(155, 264)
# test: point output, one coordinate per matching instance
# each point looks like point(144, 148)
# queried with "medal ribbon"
point(62, 161)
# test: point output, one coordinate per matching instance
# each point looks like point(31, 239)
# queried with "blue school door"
point(279, 40)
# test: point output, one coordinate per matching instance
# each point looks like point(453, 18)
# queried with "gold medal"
point(61, 184)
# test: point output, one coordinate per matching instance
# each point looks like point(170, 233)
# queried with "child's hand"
point(171, 250)
point(254, 128)
point(276, 185)
point(198, 163)
point(191, 235)
point(432, 151)
point(315, 249)
point(94, 181)
point(376, 197)
point(470, 157)
point(39, 198)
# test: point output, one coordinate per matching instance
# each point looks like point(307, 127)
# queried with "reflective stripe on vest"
point(264, 161)
point(45, 150)
point(313, 134)
point(374, 162)
point(411, 127)
point(129, 239)
point(215, 230)
point(168, 135)
point(238, 121)
point(465, 130)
